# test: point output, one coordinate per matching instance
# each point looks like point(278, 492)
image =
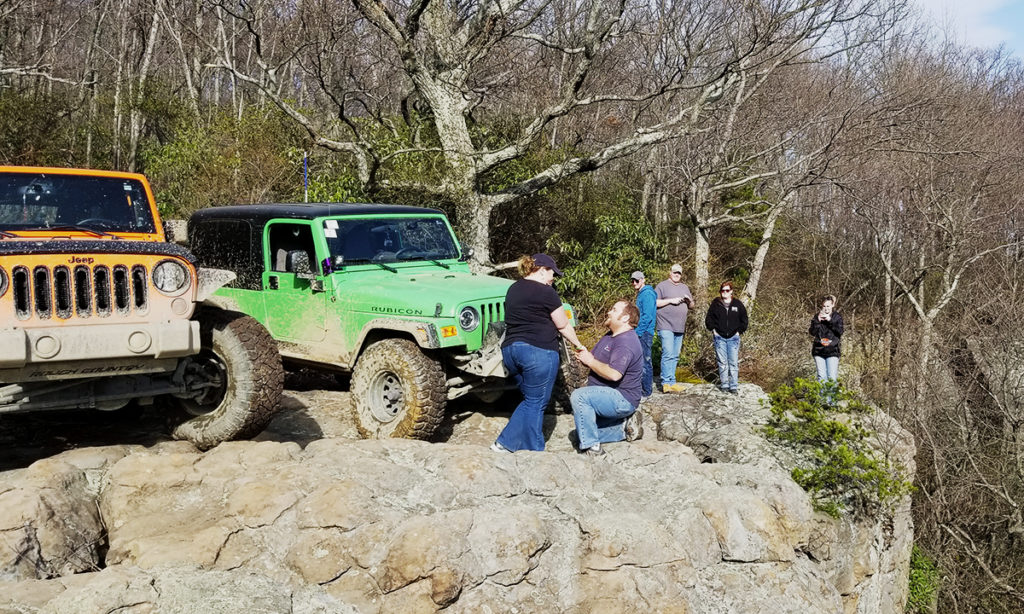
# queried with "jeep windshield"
point(90, 204)
point(390, 239)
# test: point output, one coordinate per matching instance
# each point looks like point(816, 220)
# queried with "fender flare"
point(210, 280)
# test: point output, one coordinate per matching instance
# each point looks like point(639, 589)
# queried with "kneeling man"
point(605, 409)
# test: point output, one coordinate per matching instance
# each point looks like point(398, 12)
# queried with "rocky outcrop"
point(866, 560)
point(49, 523)
point(403, 526)
point(166, 589)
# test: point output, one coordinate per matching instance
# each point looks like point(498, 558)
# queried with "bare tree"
point(599, 80)
point(954, 169)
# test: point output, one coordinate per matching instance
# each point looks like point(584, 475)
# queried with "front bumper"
point(95, 343)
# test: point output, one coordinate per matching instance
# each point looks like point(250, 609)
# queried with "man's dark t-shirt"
point(528, 307)
point(622, 353)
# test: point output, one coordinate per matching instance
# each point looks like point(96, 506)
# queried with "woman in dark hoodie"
point(727, 320)
point(827, 329)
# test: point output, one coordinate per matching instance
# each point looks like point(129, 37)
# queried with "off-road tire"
point(398, 391)
point(572, 374)
point(244, 358)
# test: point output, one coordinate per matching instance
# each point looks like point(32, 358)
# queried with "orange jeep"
point(97, 309)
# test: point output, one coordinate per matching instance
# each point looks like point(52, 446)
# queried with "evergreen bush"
point(840, 469)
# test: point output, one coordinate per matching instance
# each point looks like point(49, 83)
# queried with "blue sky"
point(980, 23)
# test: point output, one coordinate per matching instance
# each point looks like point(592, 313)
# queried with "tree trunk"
point(750, 291)
point(137, 120)
point(701, 263)
point(921, 386)
point(474, 216)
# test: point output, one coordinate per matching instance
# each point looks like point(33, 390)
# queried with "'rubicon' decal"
point(408, 311)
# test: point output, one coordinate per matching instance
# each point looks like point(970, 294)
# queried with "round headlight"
point(170, 277)
point(469, 318)
point(3, 281)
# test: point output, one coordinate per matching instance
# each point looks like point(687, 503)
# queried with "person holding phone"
point(827, 330)
point(673, 302)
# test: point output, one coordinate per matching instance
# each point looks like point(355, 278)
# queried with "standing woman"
point(727, 320)
point(534, 318)
point(827, 329)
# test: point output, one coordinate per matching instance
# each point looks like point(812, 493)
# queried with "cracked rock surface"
point(317, 521)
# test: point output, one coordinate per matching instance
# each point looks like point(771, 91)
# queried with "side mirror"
point(467, 253)
point(176, 231)
point(297, 261)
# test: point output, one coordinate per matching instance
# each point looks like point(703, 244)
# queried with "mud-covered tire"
point(241, 358)
point(398, 391)
point(572, 374)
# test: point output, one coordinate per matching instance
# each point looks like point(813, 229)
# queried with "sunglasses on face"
point(726, 290)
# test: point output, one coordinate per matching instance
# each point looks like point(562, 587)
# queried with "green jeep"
point(382, 292)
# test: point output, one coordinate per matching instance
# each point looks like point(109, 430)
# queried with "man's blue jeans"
point(534, 370)
point(727, 354)
point(600, 415)
point(647, 381)
point(671, 345)
point(828, 368)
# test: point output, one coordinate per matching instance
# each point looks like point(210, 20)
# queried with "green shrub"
point(598, 274)
point(824, 422)
point(925, 580)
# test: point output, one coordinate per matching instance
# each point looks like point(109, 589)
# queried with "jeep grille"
point(489, 314)
point(79, 292)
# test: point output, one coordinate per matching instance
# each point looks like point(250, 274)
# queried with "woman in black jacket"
point(827, 330)
point(727, 320)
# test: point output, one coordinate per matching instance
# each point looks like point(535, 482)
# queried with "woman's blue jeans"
point(600, 415)
point(727, 354)
point(671, 345)
point(534, 370)
point(828, 368)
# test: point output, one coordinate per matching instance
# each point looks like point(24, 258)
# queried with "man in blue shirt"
point(605, 409)
point(647, 305)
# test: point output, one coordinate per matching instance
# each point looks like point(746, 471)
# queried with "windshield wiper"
point(368, 261)
point(423, 256)
point(98, 233)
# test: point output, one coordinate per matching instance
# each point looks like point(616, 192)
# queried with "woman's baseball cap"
point(547, 261)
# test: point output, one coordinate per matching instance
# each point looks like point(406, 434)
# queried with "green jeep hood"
point(416, 294)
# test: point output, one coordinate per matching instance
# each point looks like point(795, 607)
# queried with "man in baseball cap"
point(646, 304)
point(674, 301)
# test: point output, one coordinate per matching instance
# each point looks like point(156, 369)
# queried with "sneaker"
point(676, 387)
point(497, 447)
point(644, 399)
point(634, 427)
point(734, 391)
point(594, 451)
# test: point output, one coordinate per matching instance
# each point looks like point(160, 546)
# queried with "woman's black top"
point(528, 307)
point(827, 334)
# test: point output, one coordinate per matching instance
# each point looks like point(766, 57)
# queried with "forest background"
point(796, 147)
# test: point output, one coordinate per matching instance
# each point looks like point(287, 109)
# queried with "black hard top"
point(304, 211)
